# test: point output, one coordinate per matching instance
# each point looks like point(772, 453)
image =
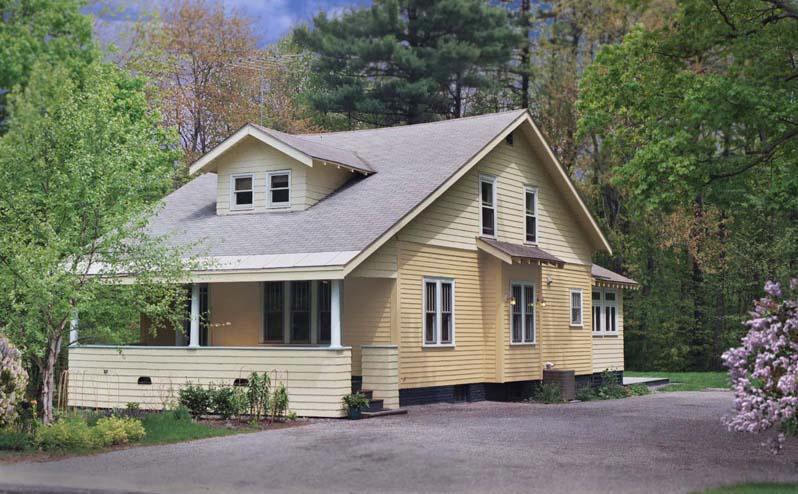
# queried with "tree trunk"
point(47, 368)
point(525, 53)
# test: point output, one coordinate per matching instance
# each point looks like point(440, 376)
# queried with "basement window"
point(144, 380)
point(241, 193)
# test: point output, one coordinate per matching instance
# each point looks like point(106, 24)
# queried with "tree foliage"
point(406, 61)
point(83, 164)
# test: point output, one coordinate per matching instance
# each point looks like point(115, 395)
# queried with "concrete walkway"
point(648, 381)
point(660, 443)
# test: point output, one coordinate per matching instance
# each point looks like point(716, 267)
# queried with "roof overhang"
point(206, 161)
point(603, 277)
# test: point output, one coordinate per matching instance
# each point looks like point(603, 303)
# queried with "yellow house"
point(433, 262)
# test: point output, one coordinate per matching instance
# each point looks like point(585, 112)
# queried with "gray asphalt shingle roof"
point(523, 251)
point(409, 162)
point(604, 274)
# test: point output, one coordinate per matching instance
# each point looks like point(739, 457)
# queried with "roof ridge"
point(393, 127)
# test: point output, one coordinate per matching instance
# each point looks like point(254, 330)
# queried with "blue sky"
point(271, 18)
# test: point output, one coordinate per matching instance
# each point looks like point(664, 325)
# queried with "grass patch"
point(163, 428)
point(687, 381)
point(754, 489)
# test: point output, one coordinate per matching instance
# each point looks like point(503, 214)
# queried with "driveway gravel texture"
point(664, 442)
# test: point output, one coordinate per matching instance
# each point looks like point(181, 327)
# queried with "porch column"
point(193, 340)
point(73, 328)
point(335, 314)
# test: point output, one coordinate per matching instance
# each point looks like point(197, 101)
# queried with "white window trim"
point(278, 205)
point(492, 180)
point(534, 190)
point(603, 304)
point(523, 316)
point(233, 205)
point(581, 322)
point(438, 319)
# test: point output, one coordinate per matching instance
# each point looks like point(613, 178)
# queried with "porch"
point(312, 336)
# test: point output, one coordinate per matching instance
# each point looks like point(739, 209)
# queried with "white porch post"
point(73, 328)
point(193, 340)
point(335, 314)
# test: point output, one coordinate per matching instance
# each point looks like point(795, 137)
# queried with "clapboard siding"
point(453, 220)
point(521, 362)
point(367, 315)
point(308, 184)
point(381, 373)
point(567, 347)
point(106, 377)
point(608, 350)
point(380, 264)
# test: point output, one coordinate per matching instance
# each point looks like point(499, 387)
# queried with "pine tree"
point(406, 61)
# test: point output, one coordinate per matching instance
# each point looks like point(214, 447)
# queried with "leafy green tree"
point(406, 61)
point(41, 31)
point(697, 129)
point(81, 168)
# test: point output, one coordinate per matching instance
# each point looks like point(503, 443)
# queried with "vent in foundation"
point(241, 382)
point(145, 380)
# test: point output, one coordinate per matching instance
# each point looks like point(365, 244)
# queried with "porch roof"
point(517, 253)
point(604, 277)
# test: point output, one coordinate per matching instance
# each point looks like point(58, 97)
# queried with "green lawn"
point(687, 381)
point(755, 489)
point(162, 428)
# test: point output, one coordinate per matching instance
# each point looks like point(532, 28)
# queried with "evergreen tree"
point(406, 61)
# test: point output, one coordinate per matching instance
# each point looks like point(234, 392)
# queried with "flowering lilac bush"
point(13, 379)
point(764, 370)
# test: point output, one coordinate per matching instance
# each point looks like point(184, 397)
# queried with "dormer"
point(262, 170)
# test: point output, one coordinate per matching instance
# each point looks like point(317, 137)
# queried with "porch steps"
point(376, 407)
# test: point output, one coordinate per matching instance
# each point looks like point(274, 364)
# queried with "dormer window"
point(242, 188)
point(279, 189)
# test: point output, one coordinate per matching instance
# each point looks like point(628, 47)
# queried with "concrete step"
point(374, 406)
point(384, 412)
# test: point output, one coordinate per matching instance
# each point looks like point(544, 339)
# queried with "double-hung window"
point(576, 307)
point(273, 320)
point(487, 201)
point(531, 214)
point(605, 311)
point(279, 193)
point(242, 187)
point(325, 311)
point(522, 315)
point(438, 311)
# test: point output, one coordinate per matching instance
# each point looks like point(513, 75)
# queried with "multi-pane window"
point(300, 311)
point(325, 313)
point(605, 311)
point(279, 189)
point(273, 300)
point(487, 200)
point(522, 320)
point(576, 307)
point(531, 214)
point(438, 311)
point(242, 188)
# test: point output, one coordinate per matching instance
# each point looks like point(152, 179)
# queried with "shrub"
point(116, 430)
point(258, 392)
point(196, 398)
point(355, 401)
point(764, 370)
point(639, 390)
point(279, 402)
point(228, 401)
point(15, 440)
point(549, 393)
point(13, 380)
point(585, 393)
point(66, 434)
point(611, 388)
point(181, 413)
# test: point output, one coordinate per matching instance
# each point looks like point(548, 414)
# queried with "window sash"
point(438, 312)
point(522, 313)
point(530, 214)
point(576, 307)
point(325, 311)
point(242, 191)
point(273, 301)
point(272, 188)
point(487, 221)
point(605, 311)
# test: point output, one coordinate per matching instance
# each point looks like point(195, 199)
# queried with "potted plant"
point(354, 404)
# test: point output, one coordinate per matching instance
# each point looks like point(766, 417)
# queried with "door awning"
point(606, 278)
point(517, 253)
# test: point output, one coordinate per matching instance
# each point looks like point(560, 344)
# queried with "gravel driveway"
point(665, 442)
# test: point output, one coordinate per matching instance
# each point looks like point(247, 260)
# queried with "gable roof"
point(408, 168)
